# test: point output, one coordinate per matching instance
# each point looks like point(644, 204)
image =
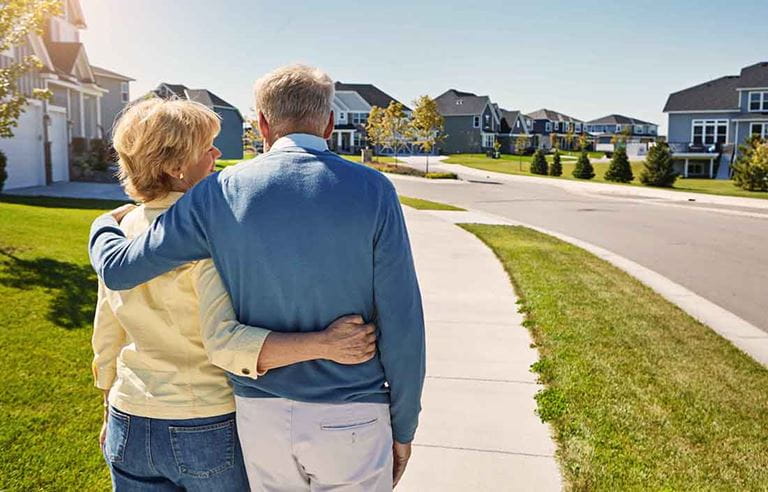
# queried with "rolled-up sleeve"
point(107, 341)
point(230, 345)
point(399, 317)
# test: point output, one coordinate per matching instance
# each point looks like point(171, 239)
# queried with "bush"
point(556, 169)
point(539, 163)
point(750, 171)
point(583, 169)
point(3, 172)
point(658, 170)
point(441, 176)
point(619, 170)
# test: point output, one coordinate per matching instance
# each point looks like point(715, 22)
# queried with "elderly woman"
point(162, 348)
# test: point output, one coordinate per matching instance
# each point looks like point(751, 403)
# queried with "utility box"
point(367, 156)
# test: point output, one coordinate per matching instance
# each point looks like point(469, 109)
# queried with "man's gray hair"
point(295, 98)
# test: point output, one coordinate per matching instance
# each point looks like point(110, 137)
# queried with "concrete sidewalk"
point(478, 429)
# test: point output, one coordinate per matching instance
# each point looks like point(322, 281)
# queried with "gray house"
point(639, 133)
point(550, 126)
point(352, 104)
point(230, 139)
point(113, 102)
point(708, 122)
point(472, 122)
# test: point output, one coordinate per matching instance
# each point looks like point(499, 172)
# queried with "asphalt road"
point(721, 257)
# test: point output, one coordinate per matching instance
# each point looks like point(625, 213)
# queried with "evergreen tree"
point(658, 170)
point(556, 169)
point(750, 171)
point(619, 170)
point(539, 163)
point(583, 169)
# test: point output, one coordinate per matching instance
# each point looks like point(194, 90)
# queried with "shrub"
point(619, 170)
point(658, 169)
point(750, 171)
point(556, 169)
point(3, 172)
point(539, 163)
point(583, 169)
point(441, 176)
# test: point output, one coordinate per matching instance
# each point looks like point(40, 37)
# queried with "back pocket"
point(204, 451)
point(118, 426)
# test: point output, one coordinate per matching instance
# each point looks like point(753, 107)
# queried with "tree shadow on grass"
point(72, 286)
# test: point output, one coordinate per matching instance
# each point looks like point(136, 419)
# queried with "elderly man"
point(300, 236)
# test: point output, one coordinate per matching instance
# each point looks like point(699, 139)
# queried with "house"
point(471, 122)
point(514, 124)
point(114, 101)
point(47, 131)
point(230, 138)
point(638, 133)
point(550, 126)
point(352, 104)
point(708, 122)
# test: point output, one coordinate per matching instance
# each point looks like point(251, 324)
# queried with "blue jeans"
point(174, 455)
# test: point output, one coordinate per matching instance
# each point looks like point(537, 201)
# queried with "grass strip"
point(640, 395)
point(427, 205)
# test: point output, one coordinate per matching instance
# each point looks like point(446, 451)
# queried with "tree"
point(521, 143)
point(658, 169)
point(3, 173)
point(19, 18)
point(426, 125)
point(570, 136)
point(388, 127)
point(539, 163)
point(556, 169)
point(583, 169)
point(750, 171)
point(251, 135)
point(583, 142)
point(619, 170)
point(554, 142)
point(496, 147)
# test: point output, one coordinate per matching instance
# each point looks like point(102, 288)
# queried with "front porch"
point(694, 161)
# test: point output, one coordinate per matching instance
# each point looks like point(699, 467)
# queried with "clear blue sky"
point(585, 58)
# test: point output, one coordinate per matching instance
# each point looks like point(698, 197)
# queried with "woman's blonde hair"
point(155, 137)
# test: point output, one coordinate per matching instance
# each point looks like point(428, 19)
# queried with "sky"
point(584, 58)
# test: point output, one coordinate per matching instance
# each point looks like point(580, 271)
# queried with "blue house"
point(548, 127)
point(230, 139)
point(638, 133)
point(709, 121)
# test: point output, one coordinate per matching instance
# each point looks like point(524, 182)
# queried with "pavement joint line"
point(478, 450)
point(723, 322)
point(483, 380)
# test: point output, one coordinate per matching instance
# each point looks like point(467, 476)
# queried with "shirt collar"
point(164, 201)
point(303, 140)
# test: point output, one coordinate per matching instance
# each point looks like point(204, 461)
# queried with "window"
point(578, 127)
point(708, 132)
point(758, 101)
point(342, 116)
point(476, 122)
point(548, 126)
point(124, 96)
point(760, 129)
point(618, 128)
point(557, 125)
point(695, 168)
point(530, 124)
point(488, 139)
point(639, 129)
point(358, 118)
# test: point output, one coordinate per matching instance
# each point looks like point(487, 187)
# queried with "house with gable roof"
point(548, 126)
point(47, 131)
point(352, 105)
point(471, 122)
point(708, 122)
point(639, 134)
point(230, 139)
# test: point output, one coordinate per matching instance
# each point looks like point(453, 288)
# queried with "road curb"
point(742, 334)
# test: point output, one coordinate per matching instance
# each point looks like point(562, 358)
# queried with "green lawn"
point(640, 395)
point(50, 411)
point(510, 164)
point(427, 205)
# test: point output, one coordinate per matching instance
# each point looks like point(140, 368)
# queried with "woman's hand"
point(349, 340)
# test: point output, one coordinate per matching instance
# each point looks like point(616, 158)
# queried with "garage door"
point(25, 151)
point(59, 151)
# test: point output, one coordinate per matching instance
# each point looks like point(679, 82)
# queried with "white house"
point(73, 115)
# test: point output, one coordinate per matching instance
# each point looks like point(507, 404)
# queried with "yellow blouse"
point(162, 348)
